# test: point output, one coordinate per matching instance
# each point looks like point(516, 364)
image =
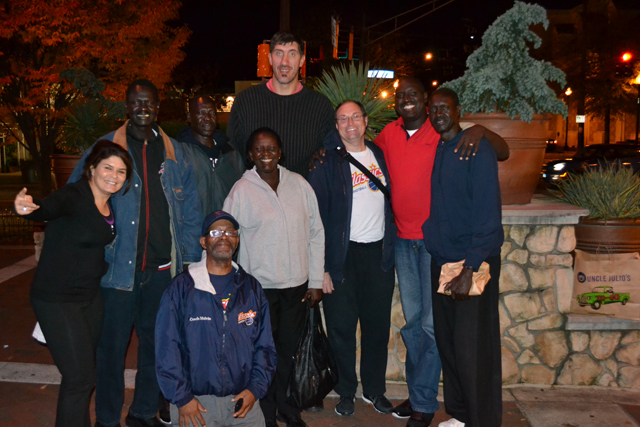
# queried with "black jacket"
point(331, 181)
point(213, 184)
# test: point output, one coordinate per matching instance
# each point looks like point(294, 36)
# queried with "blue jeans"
point(413, 265)
point(122, 310)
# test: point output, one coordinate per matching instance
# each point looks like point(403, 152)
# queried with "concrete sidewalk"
point(29, 380)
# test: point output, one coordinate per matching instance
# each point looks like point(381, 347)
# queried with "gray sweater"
point(281, 235)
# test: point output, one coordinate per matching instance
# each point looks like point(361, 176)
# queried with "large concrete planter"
point(612, 236)
point(62, 166)
point(519, 175)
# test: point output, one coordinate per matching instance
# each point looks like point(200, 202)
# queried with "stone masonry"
point(535, 292)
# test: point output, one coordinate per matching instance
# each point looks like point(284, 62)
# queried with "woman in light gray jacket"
point(281, 245)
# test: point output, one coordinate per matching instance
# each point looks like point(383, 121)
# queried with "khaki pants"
point(220, 413)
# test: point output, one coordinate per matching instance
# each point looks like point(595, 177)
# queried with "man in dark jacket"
point(215, 354)
point(465, 225)
point(216, 164)
point(358, 280)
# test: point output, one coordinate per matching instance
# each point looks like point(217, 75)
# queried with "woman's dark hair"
point(267, 131)
point(103, 149)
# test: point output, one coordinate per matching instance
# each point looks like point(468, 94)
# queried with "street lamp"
point(568, 92)
point(428, 56)
point(434, 83)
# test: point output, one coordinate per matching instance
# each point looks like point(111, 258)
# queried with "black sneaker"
point(403, 410)
point(419, 419)
point(132, 421)
point(291, 420)
point(380, 403)
point(345, 406)
point(100, 425)
point(164, 412)
point(315, 409)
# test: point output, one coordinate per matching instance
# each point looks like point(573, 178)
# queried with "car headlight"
point(559, 166)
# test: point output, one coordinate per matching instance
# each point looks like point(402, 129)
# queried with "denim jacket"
point(180, 189)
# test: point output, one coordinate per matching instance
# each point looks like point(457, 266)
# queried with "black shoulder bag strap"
point(376, 181)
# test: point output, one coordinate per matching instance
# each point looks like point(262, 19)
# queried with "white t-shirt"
point(367, 215)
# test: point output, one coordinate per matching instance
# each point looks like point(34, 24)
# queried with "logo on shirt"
point(246, 317)
point(359, 179)
point(161, 171)
point(199, 318)
point(225, 301)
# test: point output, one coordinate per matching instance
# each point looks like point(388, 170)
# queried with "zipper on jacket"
point(222, 352)
point(146, 197)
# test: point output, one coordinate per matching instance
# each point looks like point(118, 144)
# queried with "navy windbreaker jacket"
point(202, 349)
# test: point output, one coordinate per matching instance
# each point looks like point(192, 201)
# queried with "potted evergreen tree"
point(507, 91)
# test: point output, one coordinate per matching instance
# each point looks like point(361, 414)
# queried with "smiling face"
point(265, 154)
point(351, 124)
point(109, 175)
point(411, 102)
point(444, 115)
point(142, 107)
point(286, 60)
point(220, 248)
point(202, 116)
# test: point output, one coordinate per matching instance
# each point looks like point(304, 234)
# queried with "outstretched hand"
point(23, 204)
point(191, 412)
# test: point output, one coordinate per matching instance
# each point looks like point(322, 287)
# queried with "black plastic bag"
point(314, 372)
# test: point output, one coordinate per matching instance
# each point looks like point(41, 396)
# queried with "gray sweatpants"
point(220, 413)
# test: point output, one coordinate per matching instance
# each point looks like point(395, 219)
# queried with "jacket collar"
point(200, 274)
point(120, 138)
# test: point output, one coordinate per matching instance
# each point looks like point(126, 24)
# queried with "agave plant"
point(87, 121)
point(352, 83)
point(610, 191)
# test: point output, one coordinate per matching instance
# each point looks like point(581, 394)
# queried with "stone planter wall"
point(541, 342)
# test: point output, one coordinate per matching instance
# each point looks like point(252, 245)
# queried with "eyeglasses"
point(344, 119)
point(218, 233)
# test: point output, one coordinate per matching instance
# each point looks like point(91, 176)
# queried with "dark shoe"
point(164, 412)
point(403, 410)
point(291, 420)
point(345, 406)
point(380, 403)
point(419, 419)
point(271, 422)
point(132, 421)
point(100, 425)
point(315, 409)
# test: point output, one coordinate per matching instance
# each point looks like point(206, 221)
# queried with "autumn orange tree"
point(118, 41)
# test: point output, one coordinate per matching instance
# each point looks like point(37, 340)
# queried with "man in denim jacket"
point(158, 226)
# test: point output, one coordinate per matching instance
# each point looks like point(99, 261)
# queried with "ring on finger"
point(24, 209)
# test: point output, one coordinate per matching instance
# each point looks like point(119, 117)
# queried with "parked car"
point(552, 145)
point(628, 155)
point(601, 295)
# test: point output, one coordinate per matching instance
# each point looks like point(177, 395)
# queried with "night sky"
point(226, 34)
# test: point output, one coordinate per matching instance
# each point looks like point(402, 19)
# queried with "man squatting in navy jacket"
point(215, 354)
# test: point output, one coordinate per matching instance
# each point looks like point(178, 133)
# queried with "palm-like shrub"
point(502, 76)
point(352, 83)
point(611, 191)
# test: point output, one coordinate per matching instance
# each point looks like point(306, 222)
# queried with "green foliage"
point(609, 192)
point(502, 76)
point(351, 83)
point(89, 119)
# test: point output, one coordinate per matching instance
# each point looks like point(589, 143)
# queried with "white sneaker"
point(451, 423)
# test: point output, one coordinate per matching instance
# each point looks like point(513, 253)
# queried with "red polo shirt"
point(410, 162)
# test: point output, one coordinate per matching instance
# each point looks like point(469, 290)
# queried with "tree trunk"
point(607, 124)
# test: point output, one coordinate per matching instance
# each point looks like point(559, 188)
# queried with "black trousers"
point(72, 331)
point(468, 339)
point(287, 312)
point(365, 294)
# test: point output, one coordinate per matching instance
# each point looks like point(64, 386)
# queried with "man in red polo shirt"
point(409, 146)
